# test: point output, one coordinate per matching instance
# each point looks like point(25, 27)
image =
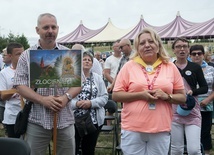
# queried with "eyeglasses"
point(179, 47)
point(199, 54)
point(121, 47)
point(116, 46)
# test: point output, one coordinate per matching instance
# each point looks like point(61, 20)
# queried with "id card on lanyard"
point(152, 106)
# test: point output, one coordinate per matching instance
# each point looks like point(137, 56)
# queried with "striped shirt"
point(39, 114)
point(123, 60)
point(209, 76)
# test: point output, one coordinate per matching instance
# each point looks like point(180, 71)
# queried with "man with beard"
point(40, 122)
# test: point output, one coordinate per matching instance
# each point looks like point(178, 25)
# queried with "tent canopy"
point(140, 25)
point(79, 31)
point(201, 30)
point(109, 33)
point(174, 28)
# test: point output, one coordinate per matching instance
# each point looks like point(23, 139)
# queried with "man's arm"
point(73, 91)
point(207, 100)
point(110, 88)
point(70, 94)
point(6, 94)
point(55, 103)
point(107, 75)
point(28, 93)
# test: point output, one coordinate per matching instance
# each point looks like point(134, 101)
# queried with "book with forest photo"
point(48, 67)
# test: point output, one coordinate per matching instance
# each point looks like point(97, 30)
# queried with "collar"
point(140, 61)
point(204, 64)
point(39, 47)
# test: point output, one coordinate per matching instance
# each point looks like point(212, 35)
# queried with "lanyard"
point(150, 85)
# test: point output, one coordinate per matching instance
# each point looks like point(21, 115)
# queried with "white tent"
point(109, 34)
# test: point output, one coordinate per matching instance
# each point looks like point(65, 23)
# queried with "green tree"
point(13, 38)
point(23, 40)
point(3, 43)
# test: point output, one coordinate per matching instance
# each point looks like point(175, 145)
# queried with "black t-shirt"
point(194, 76)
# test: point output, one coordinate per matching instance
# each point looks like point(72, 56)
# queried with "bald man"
point(96, 65)
point(126, 48)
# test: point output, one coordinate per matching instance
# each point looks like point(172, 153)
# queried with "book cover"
point(50, 67)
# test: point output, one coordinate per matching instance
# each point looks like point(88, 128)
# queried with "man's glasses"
point(198, 53)
point(121, 47)
point(179, 47)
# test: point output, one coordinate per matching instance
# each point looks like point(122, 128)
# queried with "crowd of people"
point(167, 106)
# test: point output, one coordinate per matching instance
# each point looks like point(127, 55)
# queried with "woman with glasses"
point(93, 98)
point(147, 85)
point(188, 126)
point(197, 56)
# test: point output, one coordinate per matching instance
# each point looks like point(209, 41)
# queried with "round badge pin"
point(149, 68)
point(188, 72)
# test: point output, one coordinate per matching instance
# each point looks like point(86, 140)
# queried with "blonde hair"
point(206, 54)
point(162, 53)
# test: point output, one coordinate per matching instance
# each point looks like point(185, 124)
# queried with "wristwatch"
point(169, 97)
point(68, 96)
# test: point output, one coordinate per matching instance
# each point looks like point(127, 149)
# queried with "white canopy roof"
point(109, 34)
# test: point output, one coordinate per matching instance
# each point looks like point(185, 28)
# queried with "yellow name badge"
point(152, 106)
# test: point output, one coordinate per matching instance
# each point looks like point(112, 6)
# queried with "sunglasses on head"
point(198, 53)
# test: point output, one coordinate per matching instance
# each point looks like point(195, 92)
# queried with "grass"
point(104, 144)
point(105, 140)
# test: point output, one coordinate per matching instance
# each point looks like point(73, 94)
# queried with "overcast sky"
point(20, 16)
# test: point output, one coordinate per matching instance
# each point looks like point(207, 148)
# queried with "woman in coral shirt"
point(148, 85)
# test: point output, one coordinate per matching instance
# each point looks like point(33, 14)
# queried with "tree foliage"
point(4, 41)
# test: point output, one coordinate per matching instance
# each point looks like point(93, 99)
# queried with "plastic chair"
point(118, 150)
point(111, 105)
point(13, 146)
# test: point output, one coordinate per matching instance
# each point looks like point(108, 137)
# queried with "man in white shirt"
point(1, 61)
point(1, 102)
point(112, 63)
point(12, 104)
point(6, 58)
point(110, 69)
point(96, 65)
point(5, 62)
point(126, 48)
point(98, 56)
